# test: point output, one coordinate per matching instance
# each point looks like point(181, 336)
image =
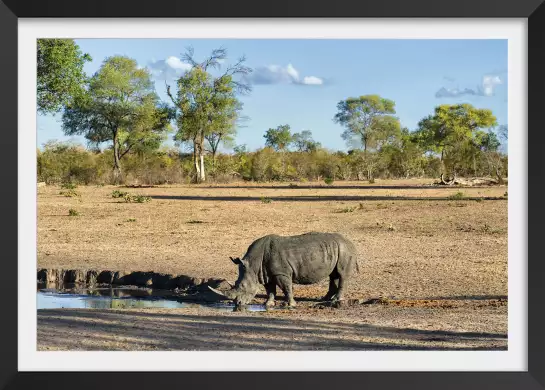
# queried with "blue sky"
point(300, 82)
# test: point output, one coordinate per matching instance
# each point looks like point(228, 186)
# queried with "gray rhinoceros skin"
point(304, 259)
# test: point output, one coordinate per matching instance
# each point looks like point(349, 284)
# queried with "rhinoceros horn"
point(227, 294)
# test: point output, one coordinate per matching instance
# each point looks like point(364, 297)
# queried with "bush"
point(70, 165)
point(457, 196)
point(73, 213)
point(119, 194)
point(70, 194)
point(136, 198)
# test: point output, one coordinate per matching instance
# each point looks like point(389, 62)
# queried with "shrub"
point(457, 196)
point(69, 185)
point(328, 181)
point(136, 198)
point(73, 213)
point(119, 194)
point(70, 194)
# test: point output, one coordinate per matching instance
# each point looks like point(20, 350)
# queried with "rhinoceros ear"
point(237, 261)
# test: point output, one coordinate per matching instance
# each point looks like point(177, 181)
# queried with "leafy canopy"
point(121, 107)
point(279, 138)
point(60, 73)
point(369, 118)
point(303, 142)
point(452, 125)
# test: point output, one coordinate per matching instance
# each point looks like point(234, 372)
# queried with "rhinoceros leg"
point(342, 284)
point(271, 293)
point(285, 285)
point(333, 288)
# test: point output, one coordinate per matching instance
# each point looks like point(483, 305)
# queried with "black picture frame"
point(532, 10)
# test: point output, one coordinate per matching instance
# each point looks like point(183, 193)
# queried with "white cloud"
point(489, 84)
point(487, 88)
point(312, 80)
point(168, 69)
point(176, 63)
point(276, 74)
point(292, 72)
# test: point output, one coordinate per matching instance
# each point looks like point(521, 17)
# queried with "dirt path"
point(357, 328)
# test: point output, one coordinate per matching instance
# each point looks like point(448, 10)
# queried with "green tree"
point(370, 119)
point(207, 105)
point(225, 132)
point(60, 75)
point(120, 107)
point(452, 128)
point(279, 139)
point(303, 142)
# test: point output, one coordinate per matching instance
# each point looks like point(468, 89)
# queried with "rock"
point(183, 282)
point(106, 277)
point(120, 277)
point(163, 281)
point(74, 276)
point(42, 275)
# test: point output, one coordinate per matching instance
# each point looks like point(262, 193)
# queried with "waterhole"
point(123, 298)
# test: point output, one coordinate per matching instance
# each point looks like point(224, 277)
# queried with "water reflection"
point(120, 298)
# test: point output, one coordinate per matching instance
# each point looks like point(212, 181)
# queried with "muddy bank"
point(60, 277)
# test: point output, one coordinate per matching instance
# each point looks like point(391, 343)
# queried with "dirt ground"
point(413, 241)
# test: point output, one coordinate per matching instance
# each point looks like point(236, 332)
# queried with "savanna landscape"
point(167, 188)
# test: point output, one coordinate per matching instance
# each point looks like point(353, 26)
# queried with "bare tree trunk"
point(203, 177)
point(117, 163)
point(196, 163)
point(198, 159)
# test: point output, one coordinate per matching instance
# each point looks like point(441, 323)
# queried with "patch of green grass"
point(136, 198)
point(119, 194)
point(70, 193)
point(131, 220)
point(69, 185)
point(457, 196)
point(73, 213)
point(265, 200)
point(329, 181)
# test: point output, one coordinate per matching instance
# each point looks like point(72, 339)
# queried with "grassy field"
point(414, 241)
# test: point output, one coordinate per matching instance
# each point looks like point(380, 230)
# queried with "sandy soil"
point(355, 328)
point(413, 242)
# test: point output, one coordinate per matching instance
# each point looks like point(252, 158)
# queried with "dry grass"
point(408, 248)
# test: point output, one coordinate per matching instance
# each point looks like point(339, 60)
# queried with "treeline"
point(125, 123)
point(65, 162)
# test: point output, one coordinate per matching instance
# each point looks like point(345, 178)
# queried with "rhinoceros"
point(303, 259)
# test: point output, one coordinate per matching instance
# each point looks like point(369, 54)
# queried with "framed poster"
point(351, 160)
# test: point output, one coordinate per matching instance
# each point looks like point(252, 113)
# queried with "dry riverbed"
point(415, 242)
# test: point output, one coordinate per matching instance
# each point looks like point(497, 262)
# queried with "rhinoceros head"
point(246, 286)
